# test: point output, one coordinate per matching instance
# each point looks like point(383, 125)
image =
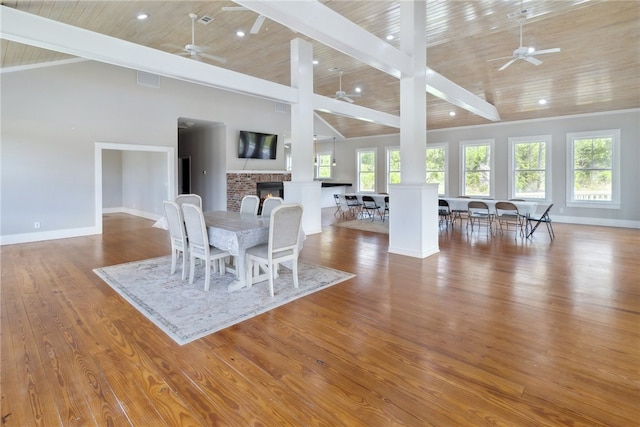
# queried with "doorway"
point(169, 178)
point(184, 175)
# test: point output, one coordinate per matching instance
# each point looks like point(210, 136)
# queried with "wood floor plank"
point(492, 330)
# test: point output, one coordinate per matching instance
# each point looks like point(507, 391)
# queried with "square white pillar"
point(413, 220)
point(309, 195)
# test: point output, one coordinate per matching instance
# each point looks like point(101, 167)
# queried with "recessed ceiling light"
point(315, 62)
point(452, 113)
point(142, 16)
point(542, 101)
point(240, 33)
point(358, 89)
point(390, 37)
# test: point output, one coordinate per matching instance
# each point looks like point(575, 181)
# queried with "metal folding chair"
point(533, 222)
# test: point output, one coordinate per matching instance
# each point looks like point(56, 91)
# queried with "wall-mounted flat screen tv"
point(256, 145)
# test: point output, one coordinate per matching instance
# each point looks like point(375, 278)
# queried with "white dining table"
point(460, 203)
point(236, 232)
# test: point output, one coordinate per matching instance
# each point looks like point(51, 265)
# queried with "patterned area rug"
point(376, 226)
point(186, 312)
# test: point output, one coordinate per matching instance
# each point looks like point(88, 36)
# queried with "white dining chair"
point(283, 246)
point(250, 204)
point(194, 199)
point(177, 234)
point(199, 246)
point(269, 204)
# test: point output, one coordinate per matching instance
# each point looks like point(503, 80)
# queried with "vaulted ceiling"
point(597, 69)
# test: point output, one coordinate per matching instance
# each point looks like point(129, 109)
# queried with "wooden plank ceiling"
point(598, 68)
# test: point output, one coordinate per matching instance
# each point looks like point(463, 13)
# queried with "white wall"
point(52, 117)
point(206, 147)
point(628, 121)
point(112, 180)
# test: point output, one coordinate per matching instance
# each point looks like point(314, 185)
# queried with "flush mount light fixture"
point(142, 16)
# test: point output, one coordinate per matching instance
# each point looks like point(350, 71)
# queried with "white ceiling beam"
point(45, 33)
point(443, 88)
point(342, 108)
point(315, 20)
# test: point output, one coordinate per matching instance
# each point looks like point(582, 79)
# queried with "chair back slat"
point(506, 208)
point(175, 222)
point(196, 228)
point(269, 204)
point(250, 204)
point(284, 227)
point(194, 199)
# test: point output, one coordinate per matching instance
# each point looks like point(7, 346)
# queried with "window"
point(323, 165)
point(393, 166)
point(593, 167)
point(437, 166)
point(477, 168)
point(530, 167)
point(366, 167)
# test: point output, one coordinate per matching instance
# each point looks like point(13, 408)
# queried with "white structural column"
point(302, 188)
point(413, 219)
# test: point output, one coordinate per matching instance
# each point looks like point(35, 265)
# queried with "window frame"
point(614, 203)
point(388, 151)
point(463, 170)
point(513, 141)
point(318, 164)
point(360, 151)
point(445, 146)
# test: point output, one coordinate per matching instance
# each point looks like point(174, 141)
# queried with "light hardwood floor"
point(490, 331)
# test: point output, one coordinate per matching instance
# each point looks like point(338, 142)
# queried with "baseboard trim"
point(603, 222)
point(13, 239)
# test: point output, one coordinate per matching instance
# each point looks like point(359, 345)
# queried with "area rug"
point(186, 312)
point(376, 226)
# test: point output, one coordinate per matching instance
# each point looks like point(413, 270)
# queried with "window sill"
point(593, 205)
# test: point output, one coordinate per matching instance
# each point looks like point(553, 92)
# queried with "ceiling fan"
point(256, 25)
point(341, 94)
point(195, 51)
point(525, 53)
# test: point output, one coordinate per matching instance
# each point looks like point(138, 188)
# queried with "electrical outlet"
point(36, 224)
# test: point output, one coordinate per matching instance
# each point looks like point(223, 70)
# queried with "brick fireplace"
point(240, 184)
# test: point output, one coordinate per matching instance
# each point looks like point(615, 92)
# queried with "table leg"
point(240, 281)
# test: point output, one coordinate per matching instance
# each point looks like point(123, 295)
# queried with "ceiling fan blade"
point(214, 57)
point(507, 64)
point(346, 98)
point(532, 60)
point(233, 8)
point(499, 59)
point(543, 51)
point(257, 25)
